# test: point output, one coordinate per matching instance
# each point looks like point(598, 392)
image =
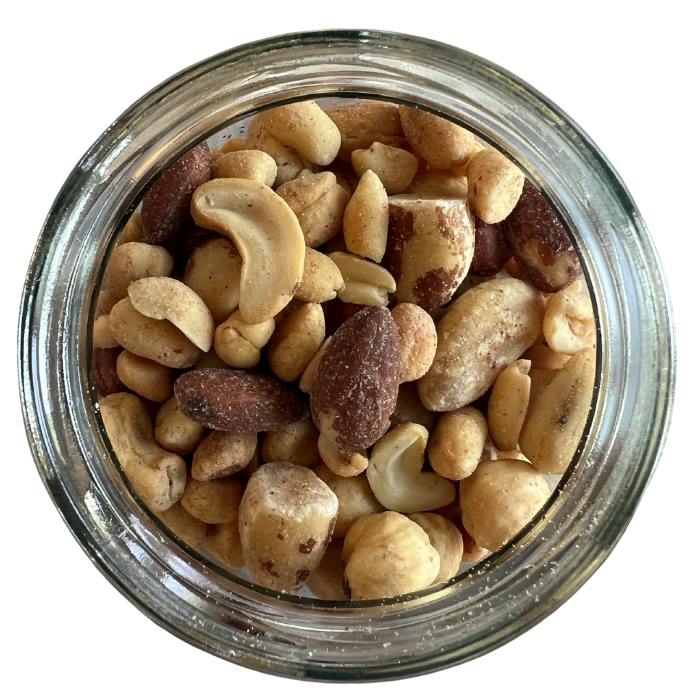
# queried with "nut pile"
point(342, 351)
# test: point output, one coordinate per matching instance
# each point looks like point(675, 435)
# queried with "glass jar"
point(286, 635)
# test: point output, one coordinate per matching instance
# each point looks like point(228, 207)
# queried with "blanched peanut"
point(446, 539)
point(444, 184)
point(175, 432)
point(238, 343)
point(386, 555)
point(508, 404)
point(249, 165)
point(495, 185)
point(339, 461)
point(233, 145)
point(366, 218)
point(393, 166)
point(457, 443)
point(307, 379)
point(286, 519)
point(190, 530)
point(326, 583)
point(133, 230)
point(156, 475)
point(365, 282)
point(569, 324)
point(410, 409)
point(221, 454)
point(224, 542)
point(102, 334)
point(134, 261)
point(215, 501)
point(105, 301)
point(145, 377)
point(418, 340)
point(321, 280)
point(295, 443)
point(542, 356)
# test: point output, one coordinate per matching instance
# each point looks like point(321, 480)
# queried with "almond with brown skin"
point(104, 371)
point(490, 249)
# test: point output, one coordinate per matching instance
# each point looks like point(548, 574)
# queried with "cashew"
point(321, 280)
point(134, 261)
point(102, 334)
point(339, 461)
point(224, 542)
point(215, 501)
point(495, 185)
point(248, 165)
point(238, 343)
point(307, 379)
point(393, 166)
point(175, 432)
point(133, 230)
point(418, 340)
point(222, 454)
point(366, 218)
point(508, 405)
point(190, 530)
point(569, 324)
point(446, 539)
point(457, 443)
point(365, 282)
point(267, 235)
point(145, 377)
point(295, 443)
point(326, 583)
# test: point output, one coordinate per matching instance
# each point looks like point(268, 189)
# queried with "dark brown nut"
point(286, 519)
point(444, 184)
point(134, 261)
point(145, 377)
point(326, 583)
point(307, 379)
point(104, 371)
point(224, 542)
point(337, 312)
point(495, 185)
point(430, 248)
point(295, 443)
point(222, 454)
point(366, 218)
point(341, 462)
point(175, 432)
point(105, 301)
point(540, 243)
point(249, 165)
point(446, 539)
point(490, 249)
point(215, 501)
point(102, 334)
point(166, 206)
point(234, 401)
point(457, 443)
point(321, 280)
point(418, 340)
point(190, 530)
point(393, 166)
point(233, 145)
point(133, 230)
point(182, 245)
point(410, 409)
point(155, 339)
point(357, 381)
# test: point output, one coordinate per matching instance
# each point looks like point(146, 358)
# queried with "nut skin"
point(249, 165)
point(321, 280)
point(508, 404)
point(446, 539)
point(495, 185)
point(418, 340)
point(295, 443)
point(222, 454)
point(134, 261)
point(104, 371)
point(224, 542)
point(393, 166)
point(145, 377)
point(190, 530)
point(174, 431)
point(490, 249)
point(457, 443)
point(366, 218)
point(214, 501)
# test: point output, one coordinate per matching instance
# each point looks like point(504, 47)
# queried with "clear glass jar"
point(287, 635)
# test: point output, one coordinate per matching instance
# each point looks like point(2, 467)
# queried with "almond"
point(104, 371)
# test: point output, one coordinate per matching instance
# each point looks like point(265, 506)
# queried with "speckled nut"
point(321, 280)
point(238, 343)
point(541, 356)
point(418, 340)
point(364, 282)
point(102, 334)
point(393, 166)
point(175, 432)
point(495, 185)
point(214, 501)
point(457, 443)
point(386, 555)
point(133, 261)
point(307, 379)
point(366, 218)
point(508, 404)
point(490, 249)
point(558, 414)
point(190, 530)
point(222, 454)
point(499, 499)
point(569, 323)
point(145, 377)
point(286, 520)
point(133, 230)
point(444, 184)
point(233, 145)
point(342, 462)
point(410, 409)
point(318, 202)
point(267, 235)
point(430, 248)
point(446, 539)
point(295, 443)
point(224, 542)
point(485, 330)
point(442, 143)
point(104, 371)
point(326, 583)
point(156, 475)
point(248, 165)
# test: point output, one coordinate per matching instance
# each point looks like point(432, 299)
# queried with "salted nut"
point(396, 477)
point(267, 235)
point(365, 282)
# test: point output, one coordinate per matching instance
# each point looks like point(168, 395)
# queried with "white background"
point(622, 70)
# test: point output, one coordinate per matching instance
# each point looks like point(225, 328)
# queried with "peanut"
point(190, 530)
point(366, 218)
point(393, 166)
point(222, 454)
point(418, 340)
point(238, 343)
point(214, 501)
point(174, 431)
point(249, 165)
point(295, 443)
point(145, 377)
point(134, 261)
point(495, 185)
point(321, 280)
point(569, 324)
point(365, 282)
point(508, 405)
point(102, 334)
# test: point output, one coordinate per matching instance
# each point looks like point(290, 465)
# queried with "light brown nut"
point(175, 432)
point(295, 443)
point(499, 499)
point(253, 465)
point(145, 377)
point(364, 282)
point(147, 337)
point(104, 371)
point(213, 273)
point(442, 143)
point(222, 454)
point(211, 360)
point(508, 404)
point(490, 249)
point(457, 443)
point(105, 301)
point(286, 520)
point(134, 261)
point(430, 248)
point(345, 183)
point(569, 323)
point(305, 127)
point(444, 184)
point(472, 552)
point(295, 342)
point(342, 462)
point(357, 381)
point(249, 165)
point(386, 555)
point(541, 356)
point(321, 280)
point(418, 340)
point(355, 498)
point(214, 501)
point(495, 185)
point(238, 343)
point(224, 543)
point(216, 154)
point(485, 330)
point(102, 333)
point(393, 166)
point(233, 145)
point(156, 475)
point(326, 583)
point(410, 409)
point(133, 230)
point(190, 530)
point(366, 218)
point(267, 235)
point(363, 123)
point(307, 379)
point(539, 379)
point(554, 424)
point(447, 541)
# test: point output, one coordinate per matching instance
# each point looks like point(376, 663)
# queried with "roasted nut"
point(145, 377)
point(486, 329)
point(357, 381)
point(540, 244)
point(418, 340)
point(147, 337)
point(442, 143)
point(318, 202)
point(508, 405)
point(499, 499)
point(238, 343)
point(495, 185)
point(213, 273)
point(386, 555)
point(393, 166)
point(211, 360)
point(295, 443)
point(430, 248)
point(321, 280)
point(305, 127)
point(444, 184)
point(569, 324)
point(286, 520)
point(222, 454)
point(446, 539)
point(490, 249)
point(104, 371)
point(216, 154)
point(326, 583)
point(214, 501)
point(105, 301)
point(457, 443)
point(102, 334)
point(472, 552)
point(190, 530)
point(554, 424)
point(364, 282)
point(134, 261)
point(166, 205)
point(249, 165)
point(539, 379)
point(233, 145)
point(156, 475)
point(133, 230)
point(175, 432)
point(307, 379)
point(410, 409)
point(232, 400)
point(542, 356)
point(366, 218)
point(224, 542)
point(295, 342)
point(341, 462)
